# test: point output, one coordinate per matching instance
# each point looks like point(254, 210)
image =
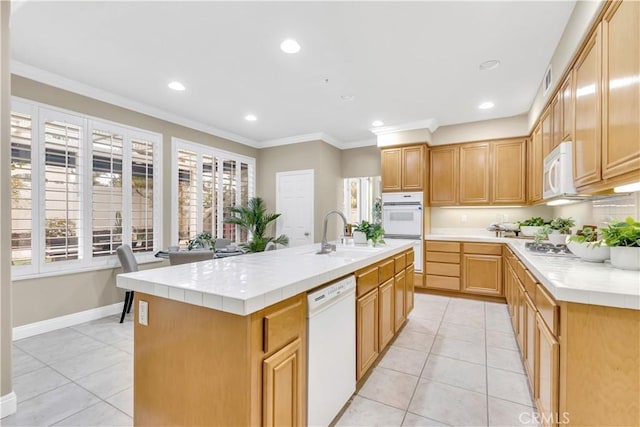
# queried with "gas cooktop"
point(548, 249)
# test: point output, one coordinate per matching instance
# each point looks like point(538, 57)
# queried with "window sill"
point(146, 259)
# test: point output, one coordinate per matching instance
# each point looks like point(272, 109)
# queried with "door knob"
point(306, 234)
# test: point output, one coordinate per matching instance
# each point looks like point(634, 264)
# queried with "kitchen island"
point(576, 323)
point(225, 340)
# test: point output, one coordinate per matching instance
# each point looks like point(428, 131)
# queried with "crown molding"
point(430, 124)
point(360, 143)
point(47, 77)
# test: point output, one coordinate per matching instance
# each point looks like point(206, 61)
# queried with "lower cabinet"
point(386, 306)
point(546, 377)
point(482, 274)
point(366, 332)
point(385, 293)
point(281, 393)
point(528, 353)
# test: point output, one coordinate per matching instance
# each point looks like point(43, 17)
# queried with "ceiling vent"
point(546, 83)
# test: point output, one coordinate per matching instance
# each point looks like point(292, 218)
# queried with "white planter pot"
point(557, 238)
point(529, 230)
point(588, 252)
point(359, 238)
point(625, 258)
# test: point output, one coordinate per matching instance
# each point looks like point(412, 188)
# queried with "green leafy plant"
point(562, 225)
point(535, 221)
point(622, 233)
point(202, 240)
point(255, 219)
point(373, 232)
point(587, 235)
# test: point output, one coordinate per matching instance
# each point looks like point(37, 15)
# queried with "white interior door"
point(294, 200)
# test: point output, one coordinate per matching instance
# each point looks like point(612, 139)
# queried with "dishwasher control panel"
point(329, 292)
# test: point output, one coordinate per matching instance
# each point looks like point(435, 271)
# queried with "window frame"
point(41, 113)
point(220, 156)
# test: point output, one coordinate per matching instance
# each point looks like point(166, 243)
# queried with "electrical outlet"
point(505, 218)
point(143, 313)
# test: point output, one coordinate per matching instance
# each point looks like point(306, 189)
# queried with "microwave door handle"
point(552, 174)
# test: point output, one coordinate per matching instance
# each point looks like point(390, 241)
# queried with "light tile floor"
point(454, 363)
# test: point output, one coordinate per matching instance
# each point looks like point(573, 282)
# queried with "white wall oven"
point(402, 217)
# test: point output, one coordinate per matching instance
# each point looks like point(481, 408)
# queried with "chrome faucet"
point(326, 247)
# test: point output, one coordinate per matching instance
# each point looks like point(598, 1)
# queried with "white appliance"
point(558, 173)
point(402, 217)
point(331, 350)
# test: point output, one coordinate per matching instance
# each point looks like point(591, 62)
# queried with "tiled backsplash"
point(616, 208)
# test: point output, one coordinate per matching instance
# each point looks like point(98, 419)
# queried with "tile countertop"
point(570, 279)
point(248, 283)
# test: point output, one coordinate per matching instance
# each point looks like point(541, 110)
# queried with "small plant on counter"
point(587, 235)
point(624, 239)
point(202, 240)
point(535, 221)
point(561, 225)
point(373, 232)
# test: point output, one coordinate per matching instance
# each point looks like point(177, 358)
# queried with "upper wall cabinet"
point(566, 104)
point(621, 90)
point(481, 173)
point(535, 166)
point(443, 175)
point(546, 121)
point(403, 168)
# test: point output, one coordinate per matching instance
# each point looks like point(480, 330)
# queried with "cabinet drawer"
point(282, 325)
point(386, 270)
point(548, 309)
point(441, 269)
point(450, 257)
point(443, 246)
point(482, 248)
point(410, 257)
point(530, 284)
point(442, 282)
point(401, 262)
point(366, 280)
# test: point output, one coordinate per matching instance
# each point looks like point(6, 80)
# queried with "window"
point(362, 200)
point(80, 188)
point(206, 182)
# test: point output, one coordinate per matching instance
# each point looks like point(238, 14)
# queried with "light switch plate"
point(143, 313)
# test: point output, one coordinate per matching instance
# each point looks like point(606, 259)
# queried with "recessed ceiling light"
point(250, 118)
point(347, 97)
point(491, 64)
point(176, 86)
point(290, 46)
point(377, 123)
point(486, 105)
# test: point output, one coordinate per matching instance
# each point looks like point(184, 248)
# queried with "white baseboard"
point(8, 404)
point(49, 325)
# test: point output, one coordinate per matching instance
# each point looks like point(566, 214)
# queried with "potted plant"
point(373, 232)
point(255, 219)
point(587, 245)
point(623, 237)
point(202, 240)
point(529, 227)
point(556, 231)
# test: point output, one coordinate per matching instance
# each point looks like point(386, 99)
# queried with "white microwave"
point(558, 173)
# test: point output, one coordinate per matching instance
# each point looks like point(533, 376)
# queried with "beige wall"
point(362, 161)
point(6, 386)
point(40, 299)
point(478, 131)
point(326, 162)
point(581, 19)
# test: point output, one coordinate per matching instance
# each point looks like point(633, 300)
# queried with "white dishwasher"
point(331, 350)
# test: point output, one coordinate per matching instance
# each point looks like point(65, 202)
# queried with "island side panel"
point(191, 365)
point(599, 365)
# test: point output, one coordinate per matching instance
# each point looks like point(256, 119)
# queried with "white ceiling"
point(404, 62)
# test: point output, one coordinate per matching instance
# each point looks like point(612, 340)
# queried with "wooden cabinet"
point(479, 173)
point(442, 266)
point(566, 105)
point(386, 306)
point(535, 166)
point(474, 173)
point(384, 300)
point(546, 124)
point(367, 347)
point(282, 395)
point(587, 89)
point(555, 112)
point(528, 351)
point(546, 372)
point(508, 172)
point(403, 168)
point(621, 90)
point(443, 175)
point(482, 274)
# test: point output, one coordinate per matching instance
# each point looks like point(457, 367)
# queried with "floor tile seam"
point(434, 380)
point(60, 359)
point(93, 337)
point(43, 392)
point(385, 404)
point(507, 370)
point(91, 373)
point(72, 415)
point(460, 339)
point(459, 360)
point(395, 370)
point(13, 379)
point(511, 401)
point(429, 418)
